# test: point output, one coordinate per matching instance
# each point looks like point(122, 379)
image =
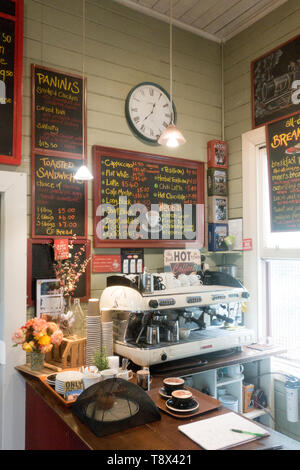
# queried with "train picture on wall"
point(276, 83)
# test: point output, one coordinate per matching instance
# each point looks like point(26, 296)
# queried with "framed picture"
point(49, 298)
point(275, 83)
point(40, 266)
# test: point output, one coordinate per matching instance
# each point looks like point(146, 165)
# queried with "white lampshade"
point(83, 174)
point(171, 137)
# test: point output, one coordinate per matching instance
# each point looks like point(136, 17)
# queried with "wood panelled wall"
point(271, 31)
point(123, 48)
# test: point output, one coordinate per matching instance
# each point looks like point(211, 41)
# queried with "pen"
point(247, 432)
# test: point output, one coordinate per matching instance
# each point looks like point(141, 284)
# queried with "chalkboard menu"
point(275, 83)
point(58, 200)
point(40, 265)
point(147, 200)
point(58, 112)
point(11, 51)
point(283, 146)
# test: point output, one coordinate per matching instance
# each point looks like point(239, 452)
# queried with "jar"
point(229, 401)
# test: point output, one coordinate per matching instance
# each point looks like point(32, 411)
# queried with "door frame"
point(13, 254)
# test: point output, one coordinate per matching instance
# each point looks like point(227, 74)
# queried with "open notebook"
point(215, 433)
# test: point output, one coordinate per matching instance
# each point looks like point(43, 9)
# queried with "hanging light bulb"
point(83, 173)
point(171, 137)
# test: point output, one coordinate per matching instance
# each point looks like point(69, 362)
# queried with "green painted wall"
point(271, 31)
point(123, 48)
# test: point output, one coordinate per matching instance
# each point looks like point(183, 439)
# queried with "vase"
point(37, 360)
point(66, 317)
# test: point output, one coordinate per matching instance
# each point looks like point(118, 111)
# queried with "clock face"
point(148, 111)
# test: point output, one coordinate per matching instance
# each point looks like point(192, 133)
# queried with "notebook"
point(215, 433)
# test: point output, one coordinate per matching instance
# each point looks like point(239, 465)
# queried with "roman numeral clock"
point(148, 111)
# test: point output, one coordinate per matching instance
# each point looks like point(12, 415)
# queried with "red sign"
point(247, 244)
point(106, 263)
point(61, 249)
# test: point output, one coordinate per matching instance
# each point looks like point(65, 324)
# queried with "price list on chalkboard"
point(58, 200)
point(58, 109)
point(11, 40)
point(283, 146)
point(166, 191)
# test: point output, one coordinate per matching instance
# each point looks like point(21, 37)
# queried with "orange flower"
point(44, 340)
point(27, 347)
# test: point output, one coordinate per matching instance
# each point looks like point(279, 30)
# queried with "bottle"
point(78, 326)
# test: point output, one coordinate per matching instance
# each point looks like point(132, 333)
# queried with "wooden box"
point(70, 353)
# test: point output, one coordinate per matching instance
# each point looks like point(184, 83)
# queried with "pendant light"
point(171, 137)
point(83, 173)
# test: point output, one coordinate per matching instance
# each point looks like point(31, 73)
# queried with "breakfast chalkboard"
point(58, 112)
point(142, 199)
point(11, 52)
point(58, 200)
point(283, 147)
point(40, 265)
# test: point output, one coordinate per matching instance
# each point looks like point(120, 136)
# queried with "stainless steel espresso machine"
point(154, 324)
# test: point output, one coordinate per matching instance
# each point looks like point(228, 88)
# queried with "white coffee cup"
point(125, 374)
point(184, 280)
point(91, 379)
point(109, 374)
point(235, 371)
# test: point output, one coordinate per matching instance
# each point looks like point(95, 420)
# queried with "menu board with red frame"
point(11, 60)
point(155, 183)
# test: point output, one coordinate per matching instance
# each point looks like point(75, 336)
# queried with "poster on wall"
point(283, 148)
point(11, 61)
point(275, 80)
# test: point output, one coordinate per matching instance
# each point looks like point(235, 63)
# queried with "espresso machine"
point(154, 324)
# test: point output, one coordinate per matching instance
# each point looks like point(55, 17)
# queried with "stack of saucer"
point(107, 337)
point(93, 338)
point(67, 376)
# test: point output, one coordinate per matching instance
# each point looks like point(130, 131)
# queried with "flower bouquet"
point(38, 337)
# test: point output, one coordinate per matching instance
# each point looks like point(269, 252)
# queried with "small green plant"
point(101, 359)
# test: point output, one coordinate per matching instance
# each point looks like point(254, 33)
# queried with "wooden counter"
point(51, 425)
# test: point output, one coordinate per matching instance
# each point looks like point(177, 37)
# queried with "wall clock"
point(148, 111)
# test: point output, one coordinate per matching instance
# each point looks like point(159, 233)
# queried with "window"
point(282, 280)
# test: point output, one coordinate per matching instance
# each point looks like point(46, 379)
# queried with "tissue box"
point(217, 210)
point(216, 182)
point(217, 154)
point(216, 235)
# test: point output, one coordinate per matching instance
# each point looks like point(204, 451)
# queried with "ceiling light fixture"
point(171, 137)
point(83, 173)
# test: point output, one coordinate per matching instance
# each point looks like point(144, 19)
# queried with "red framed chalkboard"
point(40, 258)
point(158, 184)
point(11, 65)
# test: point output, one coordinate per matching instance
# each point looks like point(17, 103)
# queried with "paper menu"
point(214, 433)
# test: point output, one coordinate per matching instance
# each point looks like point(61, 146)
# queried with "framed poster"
point(145, 200)
point(58, 112)
point(11, 65)
point(40, 265)
point(283, 149)
point(275, 78)
point(49, 298)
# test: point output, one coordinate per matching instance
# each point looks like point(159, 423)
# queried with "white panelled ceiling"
point(218, 20)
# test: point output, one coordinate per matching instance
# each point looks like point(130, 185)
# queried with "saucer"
point(163, 393)
point(194, 405)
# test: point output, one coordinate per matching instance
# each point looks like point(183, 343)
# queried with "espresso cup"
point(173, 383)
point(181, 398)
point(125, 374)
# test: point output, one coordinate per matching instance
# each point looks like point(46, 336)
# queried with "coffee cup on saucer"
point(182, 398)
point(173, 383)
